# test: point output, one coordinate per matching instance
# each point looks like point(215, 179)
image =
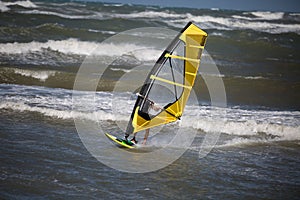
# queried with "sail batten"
point(182, 58)
point(170, 81)
point(196, 46)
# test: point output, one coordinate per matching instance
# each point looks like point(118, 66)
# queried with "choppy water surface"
point(43, 44)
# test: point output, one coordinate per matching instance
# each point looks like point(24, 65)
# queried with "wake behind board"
point(120, 142)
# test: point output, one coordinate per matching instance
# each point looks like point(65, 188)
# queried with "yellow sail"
point(168, 86)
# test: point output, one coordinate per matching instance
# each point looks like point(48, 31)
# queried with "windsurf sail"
point(165, 92)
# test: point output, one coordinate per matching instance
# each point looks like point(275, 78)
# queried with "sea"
point(52, 124)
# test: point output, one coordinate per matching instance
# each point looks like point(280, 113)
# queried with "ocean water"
point(43, 45)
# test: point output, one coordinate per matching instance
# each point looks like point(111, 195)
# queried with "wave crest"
point(4, 6)
point(41, 75)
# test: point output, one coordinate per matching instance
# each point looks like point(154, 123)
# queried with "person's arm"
point(154, 107)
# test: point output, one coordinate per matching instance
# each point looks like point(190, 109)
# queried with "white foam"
point(295, 14)
point(260, 15)
point(254, 77)
point(226, 23)
point(257, 125)
point(114, 5)
point(208, 125)
point(57, 103)
point(25, 4)
point(41, 75)
point(250, 77)
point(268, 15)
point(240, 141)
point(74, 46)
point(283, 125)
point(106, 15)
point(242, 17)
point(217, 34)
point(62, 114)
point(148, 54)
point(104, 32)
point(259, 20)
point(213, 75)
point(4, 6)
point(40, 12)
point(149, 14)
point(64, 46)
point(119, 69)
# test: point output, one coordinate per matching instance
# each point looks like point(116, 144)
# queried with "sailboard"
point(120, 142)
point(164, 94)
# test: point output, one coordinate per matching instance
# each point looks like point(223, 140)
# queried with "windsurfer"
point(133, 140)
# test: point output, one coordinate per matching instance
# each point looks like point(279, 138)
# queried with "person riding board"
point(156, 109)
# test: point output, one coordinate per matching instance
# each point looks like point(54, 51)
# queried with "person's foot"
point(144, 142)
point(133, 140)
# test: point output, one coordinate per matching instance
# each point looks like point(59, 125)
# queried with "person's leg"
point(146, 136)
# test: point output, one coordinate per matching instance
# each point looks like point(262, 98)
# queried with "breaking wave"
point(75, 46)
point(250, 128)
point(261, 21)
point(41, 75)
point(247, 125)
point(225, 23)
point(4, 6)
